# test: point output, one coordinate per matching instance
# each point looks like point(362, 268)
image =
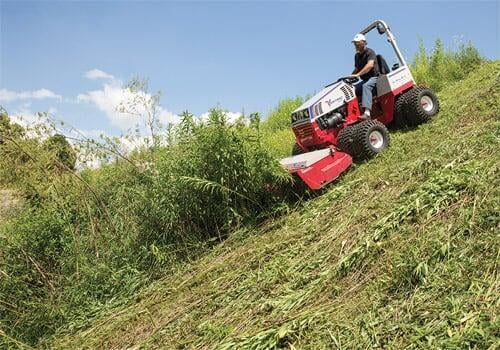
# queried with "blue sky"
point(70, 58)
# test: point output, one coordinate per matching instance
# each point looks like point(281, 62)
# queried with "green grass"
point(402, 252)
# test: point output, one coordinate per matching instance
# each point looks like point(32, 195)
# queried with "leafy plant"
point(443, 66)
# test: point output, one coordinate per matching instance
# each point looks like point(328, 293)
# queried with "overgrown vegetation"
point(87, 237)
point(277, 135)
point(403, 253)
point(443, 66)
point(341, 272)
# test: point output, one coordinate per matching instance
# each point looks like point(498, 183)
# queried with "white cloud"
point(167, 117)
point(38, 125)
point(44, 93)
point(8, 96)
point(109, 98)
point(112, 95)
point(97, 74)
point(26, 118)
point(233, 116)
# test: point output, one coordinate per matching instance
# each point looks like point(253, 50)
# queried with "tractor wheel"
point(369, 138)
point(416, 106)
point(345, 139)
point(399, 110)
point(296, 149)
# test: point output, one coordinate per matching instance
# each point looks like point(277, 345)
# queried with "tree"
point(143, 104)
point(62, 150)
point(7, 128)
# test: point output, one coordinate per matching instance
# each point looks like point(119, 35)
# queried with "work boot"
point(365, 116)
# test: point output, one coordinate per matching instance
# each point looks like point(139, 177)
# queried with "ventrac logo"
point(399, 80)
point(330, 101)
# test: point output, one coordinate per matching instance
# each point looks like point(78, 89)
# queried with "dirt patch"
point(8, 203)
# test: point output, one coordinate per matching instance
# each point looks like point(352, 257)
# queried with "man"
point(366, 68)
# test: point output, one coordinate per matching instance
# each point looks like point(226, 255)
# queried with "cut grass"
point(401, 253)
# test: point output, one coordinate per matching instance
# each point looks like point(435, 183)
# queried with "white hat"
point(359, 37)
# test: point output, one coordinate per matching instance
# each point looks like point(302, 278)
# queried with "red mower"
point(327, 130)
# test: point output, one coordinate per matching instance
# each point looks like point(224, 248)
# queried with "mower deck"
point(318, 168)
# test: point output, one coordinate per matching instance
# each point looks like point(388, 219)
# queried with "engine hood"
point(328, 99)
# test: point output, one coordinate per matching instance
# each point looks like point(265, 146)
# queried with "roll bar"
point(382, 28)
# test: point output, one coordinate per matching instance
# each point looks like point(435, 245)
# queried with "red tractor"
point(327, 130)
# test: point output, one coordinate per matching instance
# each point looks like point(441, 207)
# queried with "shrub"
point(86, 237)
point(7, 128)
point(211, 181)
point(279, 117)
point(62, 151)
point(444, 66)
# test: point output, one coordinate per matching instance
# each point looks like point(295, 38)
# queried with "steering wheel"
point(349, 80)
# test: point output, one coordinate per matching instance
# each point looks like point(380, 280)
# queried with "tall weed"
point(443, 66)
point(86, 237)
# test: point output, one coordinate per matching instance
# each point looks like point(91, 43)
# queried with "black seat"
point(383, 68)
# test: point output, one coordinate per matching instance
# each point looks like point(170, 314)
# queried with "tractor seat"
point(383, 68)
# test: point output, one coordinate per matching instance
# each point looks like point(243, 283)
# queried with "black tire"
point(345, 139)
point(399, 112)
point(364, 140)
point(415, 107)
point(296, 149)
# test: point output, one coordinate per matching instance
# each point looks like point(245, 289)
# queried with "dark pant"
point(365, 89)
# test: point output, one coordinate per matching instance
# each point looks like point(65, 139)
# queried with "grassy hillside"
point(402, 252)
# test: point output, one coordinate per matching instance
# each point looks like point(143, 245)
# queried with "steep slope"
point(402, 252)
